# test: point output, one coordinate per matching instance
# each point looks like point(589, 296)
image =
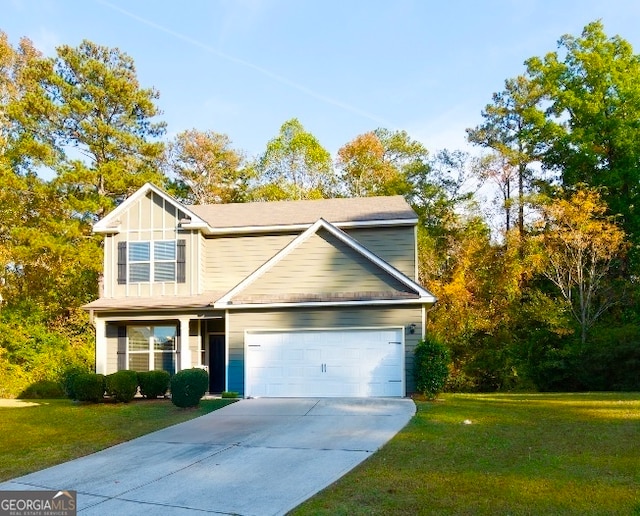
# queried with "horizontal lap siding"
point(328, 318)
point(395, 246)
point(112, 348)
point(194, 348)
point(323, 264)
point(228, 260)
point(202, 267)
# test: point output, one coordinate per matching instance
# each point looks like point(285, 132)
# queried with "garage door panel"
point(312, 355)
point(349, 363)
point(295, 354)
point(385, 389)
point(310, 372)
point(350, 353)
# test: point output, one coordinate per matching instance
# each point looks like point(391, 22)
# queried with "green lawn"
point(42, 433)
point(521, 454)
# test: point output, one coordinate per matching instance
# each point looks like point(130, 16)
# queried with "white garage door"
point(348, 363)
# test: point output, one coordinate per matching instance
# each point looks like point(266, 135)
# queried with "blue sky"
point(342, 67)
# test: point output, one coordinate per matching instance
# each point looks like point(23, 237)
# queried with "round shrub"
point(122, 386)
point(88, 387)
point(431, 367)
point(188, 386)
point(68, 379)
point(153, 383)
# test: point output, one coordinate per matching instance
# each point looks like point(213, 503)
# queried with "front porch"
point(167, 341)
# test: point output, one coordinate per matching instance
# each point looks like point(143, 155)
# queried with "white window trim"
point(151, 351)
point(152, 262)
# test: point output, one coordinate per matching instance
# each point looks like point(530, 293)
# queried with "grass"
point(518, 454)
point(43, 433)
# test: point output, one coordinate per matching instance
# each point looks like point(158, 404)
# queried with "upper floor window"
point(152, 261)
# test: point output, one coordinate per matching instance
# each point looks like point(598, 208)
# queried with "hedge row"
point(187, 386)
point(121, 386)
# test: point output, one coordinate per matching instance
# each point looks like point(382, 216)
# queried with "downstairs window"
point(152, 347)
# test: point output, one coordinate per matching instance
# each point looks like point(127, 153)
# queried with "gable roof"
point(277, 215)
point(416, 293)
point(341, 212)
point(111, 222)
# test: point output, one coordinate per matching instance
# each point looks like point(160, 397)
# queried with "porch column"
point(101, 345)
point(185, 351)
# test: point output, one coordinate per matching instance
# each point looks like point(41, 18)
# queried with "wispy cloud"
point(240, 16)
point(444, 130)
point(247, 64)
point(47, 41)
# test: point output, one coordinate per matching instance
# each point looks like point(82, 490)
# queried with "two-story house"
point(291, 298)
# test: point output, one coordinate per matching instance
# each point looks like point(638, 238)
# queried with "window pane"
point(139, 338)
point(139, 272)
point(164, 337)
point(164, 271)
point(165, 361)
point(139, 361)
point(139, 252)
point(164, 250)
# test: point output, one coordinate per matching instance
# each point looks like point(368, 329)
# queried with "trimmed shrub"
point(68, 379)
point(229, 394)
point(188, 386)
point(122, 386)
point(88, 387)
point(154, 383)
point(44, 389)
point(431, 367)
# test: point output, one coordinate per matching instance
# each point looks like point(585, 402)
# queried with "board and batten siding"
point(152, 218)
point(321, 319)
point(322, 264)
point(395, 245)
point(230, 259)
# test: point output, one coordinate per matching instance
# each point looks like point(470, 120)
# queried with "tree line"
point(547, 300)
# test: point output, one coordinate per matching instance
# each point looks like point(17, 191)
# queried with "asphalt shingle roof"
point(154, 302)
point(287, 213)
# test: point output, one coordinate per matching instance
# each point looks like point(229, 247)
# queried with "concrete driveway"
point(254, 457)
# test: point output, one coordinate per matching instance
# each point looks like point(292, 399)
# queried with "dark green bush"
point(431, 367)
point(551, 362)
point(153, 383)
point(88, 387)
point(610, 360)
point(122, 386)
point(44, 389)
point(68, 379)
point(188, 386)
